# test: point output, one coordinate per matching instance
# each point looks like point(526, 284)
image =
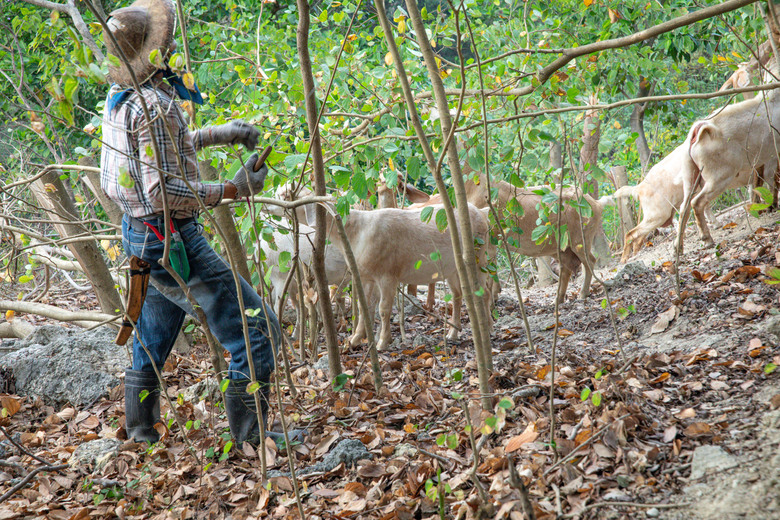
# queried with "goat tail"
point(610, 200)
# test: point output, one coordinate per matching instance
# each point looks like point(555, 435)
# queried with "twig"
point(624, 504)
point(516, 481)
point(29, 477)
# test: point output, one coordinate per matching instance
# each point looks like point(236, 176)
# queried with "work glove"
point(247, 181)
point(231, 133)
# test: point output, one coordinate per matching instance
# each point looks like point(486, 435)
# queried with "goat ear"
point(414, 195)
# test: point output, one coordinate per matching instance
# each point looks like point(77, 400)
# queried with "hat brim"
point(163, 21)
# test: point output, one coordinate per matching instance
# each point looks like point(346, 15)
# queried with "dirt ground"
point(671, 412)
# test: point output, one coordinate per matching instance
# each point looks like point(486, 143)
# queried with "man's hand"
point(247, 181)
point(235, 132)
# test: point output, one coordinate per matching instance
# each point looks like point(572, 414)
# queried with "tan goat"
point(578, 251)
point(394, 246)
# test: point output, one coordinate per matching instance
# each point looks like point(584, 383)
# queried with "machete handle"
point(263, 156)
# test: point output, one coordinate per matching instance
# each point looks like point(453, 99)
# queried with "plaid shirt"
point(128, 169)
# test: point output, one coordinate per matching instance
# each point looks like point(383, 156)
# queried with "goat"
point(336, 270)
point(724, 150)
point(388, 245)
point(578, 250)
point(660, 195)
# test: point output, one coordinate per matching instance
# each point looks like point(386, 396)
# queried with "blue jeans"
point(212, 286)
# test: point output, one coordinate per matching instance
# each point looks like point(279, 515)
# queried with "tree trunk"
point(318, 168)
point(638, 124)
point(544, 272)
point(224, 217)
point(589, 154)
point(463, 245)
point(92, 180)
point(624, 206)
point(53, 197)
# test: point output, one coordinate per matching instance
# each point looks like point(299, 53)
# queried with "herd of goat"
point(734, 146)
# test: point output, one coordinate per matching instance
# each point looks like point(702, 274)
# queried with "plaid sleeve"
point(178, 161)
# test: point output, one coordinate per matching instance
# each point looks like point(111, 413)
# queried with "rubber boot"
point(242, 415)
point(140, 416)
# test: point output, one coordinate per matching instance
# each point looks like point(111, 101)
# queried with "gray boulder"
point(630, 272)
point(97, 452)
point(62, 365)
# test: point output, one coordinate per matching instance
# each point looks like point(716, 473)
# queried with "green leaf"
point(765, 194)
point(604, 303)
point(418, 264)
point(143, 395)
point(452, 441)
point(223, 386)
point(125, 180)
point(491, 421)
point(323, 17)
point(441, 219)
point(253, 387)
point(479, 293)
point(436, 256)
point(441, 439)
point(426, 213)
point(585, 394)
point(596, 398)
point(769, 368)
point(506, 404)
point(340, 381)
point(25, 278)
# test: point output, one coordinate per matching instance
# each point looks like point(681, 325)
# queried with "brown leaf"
point(564, 332)
point(774, 402)
point(697, 429)
point(12, 404)
point(660, 379)
point(372, 470)
point(529, 435)
point(614, 16)
point(688, 413)
point(664, 319)
point(670, 433)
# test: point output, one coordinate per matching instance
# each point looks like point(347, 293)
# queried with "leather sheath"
point(136, 294)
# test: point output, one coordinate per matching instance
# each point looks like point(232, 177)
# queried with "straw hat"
point(139, 28)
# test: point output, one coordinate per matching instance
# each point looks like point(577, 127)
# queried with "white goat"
point(729, 145)
point(336, 270)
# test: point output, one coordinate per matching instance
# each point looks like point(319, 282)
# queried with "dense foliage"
point(244, 58)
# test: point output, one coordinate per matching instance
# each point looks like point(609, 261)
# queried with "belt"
point(137, 224)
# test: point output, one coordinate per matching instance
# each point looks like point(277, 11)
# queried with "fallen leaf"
point(670, 433)
point(528, 435)
point(12, 404)
point(697, 429)
point(664, 319)
point(688, 413)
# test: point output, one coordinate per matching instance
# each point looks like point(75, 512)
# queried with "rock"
point(348, 451)
point(97, 453)
point(321, 364)
point(509, 322)
point(405, 450)
point(653, 512)
point(62, 365)
point(772, 325)
point(629, 272)
point(412, 309)
point(207, 387)
point(427, 341)
point(708, 458)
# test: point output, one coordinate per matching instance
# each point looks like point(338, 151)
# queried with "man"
point(130, 176)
